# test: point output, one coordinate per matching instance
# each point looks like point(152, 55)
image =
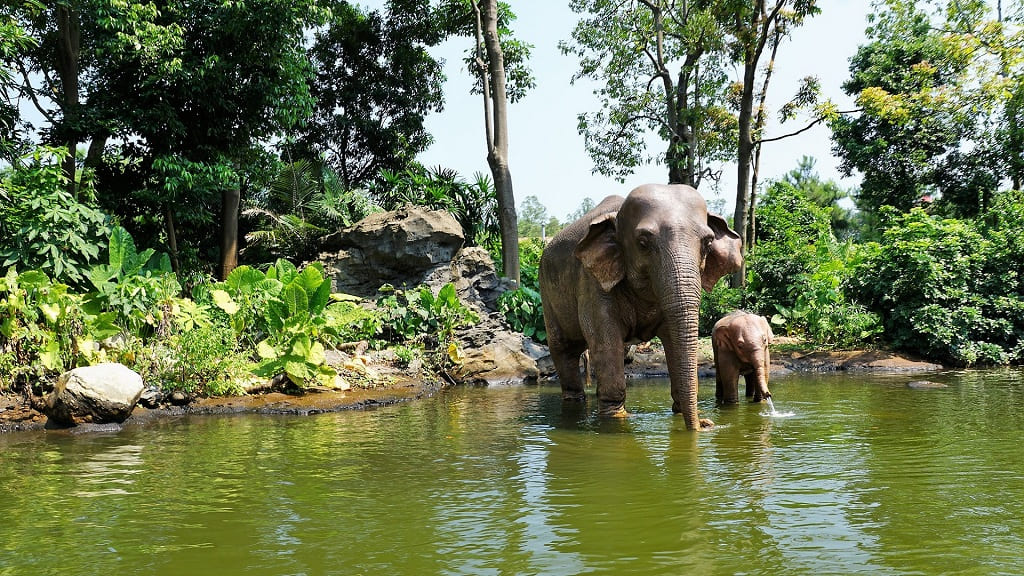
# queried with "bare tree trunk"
point(759, 123)
point(68, 49)
point(759, 28)
point(172, 238)
point(230, 200)
point(496, 120)
point(743, 168)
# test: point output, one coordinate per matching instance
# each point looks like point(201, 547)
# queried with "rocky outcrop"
point(100, 394)
point(402, 247)
point(416, 246)
point(496, 355)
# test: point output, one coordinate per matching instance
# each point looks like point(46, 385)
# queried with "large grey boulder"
point(475, 279)
point(496, 355)
point(401, 248)
point(100, 394)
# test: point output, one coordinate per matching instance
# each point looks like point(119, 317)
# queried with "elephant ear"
point(725, 255)
point(600, 253)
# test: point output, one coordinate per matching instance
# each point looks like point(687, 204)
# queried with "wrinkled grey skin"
point(629, 270)
point(740, 344)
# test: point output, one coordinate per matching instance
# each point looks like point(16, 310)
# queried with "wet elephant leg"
point(607, 361)
point(727, 377)
point(567, 364)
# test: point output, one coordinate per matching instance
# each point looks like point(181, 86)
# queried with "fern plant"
point(303, 203)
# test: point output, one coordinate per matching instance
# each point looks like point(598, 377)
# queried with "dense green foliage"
point(950, 289)
point(44, 226)
point(939, 94)
point(797, 271)
point(425, 320)
point(359, 131)
point(522, 307)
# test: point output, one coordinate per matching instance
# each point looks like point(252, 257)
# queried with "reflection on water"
point(869, 476)
point(107, 473)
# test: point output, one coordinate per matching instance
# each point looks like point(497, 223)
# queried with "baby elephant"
point(740, 344)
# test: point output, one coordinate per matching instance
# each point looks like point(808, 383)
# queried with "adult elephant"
point(740, 342)
point(629, 270)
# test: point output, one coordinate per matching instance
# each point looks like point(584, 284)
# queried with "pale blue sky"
point(547, 157)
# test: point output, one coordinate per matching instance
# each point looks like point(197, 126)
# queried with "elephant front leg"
point(609, 373)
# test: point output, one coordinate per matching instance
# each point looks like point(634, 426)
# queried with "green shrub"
point(820, 309)
point(135, 286)
point(945, 289)
point(790, 227)
point(418, 316)
point(524, 312)
point(284, 311)
point(43, 226)
point(522, 308)
point(44, 328)
point(798, 273)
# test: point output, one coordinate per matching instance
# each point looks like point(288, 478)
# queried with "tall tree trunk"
point(759, 122)
point(230, 201)
point(68, 49)
point(172, 238)
point(743, 163)
point(756, 36)
point(496, 120)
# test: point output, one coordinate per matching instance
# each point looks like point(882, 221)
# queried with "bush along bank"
point(275, 325)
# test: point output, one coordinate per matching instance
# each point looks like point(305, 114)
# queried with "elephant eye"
point(644, 240)
point(706, 245)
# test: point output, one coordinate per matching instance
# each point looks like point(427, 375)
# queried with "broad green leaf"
point(244, 279)
point(224, 301)
point(283, 271)
point(448, 296)
point(50, 354)
point(276, 313)
point(316, 355)
point(266, 351)
point(301, 346)
point(50, 311)
point(33, 279)
point(101, 326)
point(295, 298)
point(100, 275)
point(298, 372)
point(320, 298)
point(122, 249)
point(135, 266)
point(310, 279)
point(7, 327)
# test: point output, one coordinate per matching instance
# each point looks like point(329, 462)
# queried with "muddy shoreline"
point(18, 414)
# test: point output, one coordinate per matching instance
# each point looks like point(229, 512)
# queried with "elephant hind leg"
point(567, 365)
point(727, 377)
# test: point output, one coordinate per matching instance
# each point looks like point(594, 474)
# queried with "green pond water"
point(867, 476)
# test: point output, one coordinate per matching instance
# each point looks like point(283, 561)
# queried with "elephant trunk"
point(681, 306)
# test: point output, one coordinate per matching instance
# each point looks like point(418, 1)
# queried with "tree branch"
point(32, 94)
point(814, 123)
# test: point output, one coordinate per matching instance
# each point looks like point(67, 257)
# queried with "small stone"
point(178, 398)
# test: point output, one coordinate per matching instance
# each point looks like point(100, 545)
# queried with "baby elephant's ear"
point(600, 252)
point(725, 255)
